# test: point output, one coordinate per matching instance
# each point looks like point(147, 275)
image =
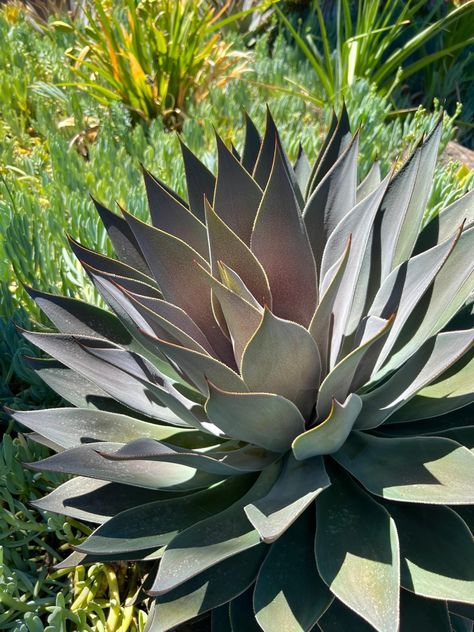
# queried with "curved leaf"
point(282, 358)
point(94, 500)
point(281, 244)
point(417, 469)
point(200, 181)
point(452, 390)
point(437, 552)
point(442, 226)
point(417, 613)
point(86, 461)
point(357, 552)
point(71, 427)
point(183, 282)
point(263, 419)
point(226, 247)
point(431, 360)
point(297, 486)
point(156, 523)
point(72, 316)
point(285, 600)
point(237, 195)
point(210, 589)
point(171, 216)
point(331, 200)
point(330, 434)
point(213, 540)
point(107, 264)
point(405, 202)
point(123, 240)
point(353, 370)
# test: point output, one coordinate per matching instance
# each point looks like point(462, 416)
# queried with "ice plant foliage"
point(266, 411)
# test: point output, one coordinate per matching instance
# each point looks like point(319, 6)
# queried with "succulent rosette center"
point(264, 382)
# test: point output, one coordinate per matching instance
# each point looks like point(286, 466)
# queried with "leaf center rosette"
point(261, 393)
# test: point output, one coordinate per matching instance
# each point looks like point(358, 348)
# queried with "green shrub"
point(382, 42)
point(153, 55)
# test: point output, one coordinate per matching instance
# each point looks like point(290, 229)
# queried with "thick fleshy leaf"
point(350, 301)
point(86, 461)
point(233, 282)
point(133, 389)
point(210, 589)
point(171, 216)
point(437, 552)
point(200, 182)
point(184, 404)
point(183, 282)
point(417, 613)
point(445, 223)
point(320, 326)
point(464, 435)
point(357, 552)
point(95, 500)
point(213, 540)
point(452, 390)
point(220, 619)
point(251, 144)
point(263, 164)
point(353, 370)
point(302, 169)
point(450, 290)
point(241, 317)
point(332, 199)
point(80, 559)
point(72, 387)
point(107, 264)
point(264, 419)
point(71, 427)
point(405, 203)
point(224, 459)
point(330, 434)
point(281, 244)
point(291, 601)
point(226, 247)
point(336, 141)
point(237, 195)
point(430, 470)
point(282, 358)
point(369, 183)
point(403, 290)
point(297, 486)
point(72, 316)
point(123, 240)
point(242, 616)
point(431, 360)
point(201, 369)
point(152, 316)
point(155, 524)
point(339, 618)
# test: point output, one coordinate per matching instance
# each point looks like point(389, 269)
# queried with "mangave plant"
point(266, 413)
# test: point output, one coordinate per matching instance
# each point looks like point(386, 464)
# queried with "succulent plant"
point(267, 411)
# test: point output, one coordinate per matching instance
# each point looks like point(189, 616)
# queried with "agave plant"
point(254, 416)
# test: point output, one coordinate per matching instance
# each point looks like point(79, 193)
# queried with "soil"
point(456, 152)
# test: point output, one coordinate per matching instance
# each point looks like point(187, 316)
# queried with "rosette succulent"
point(265, 413)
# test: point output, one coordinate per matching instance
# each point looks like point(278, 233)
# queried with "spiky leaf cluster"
point(255, 413)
